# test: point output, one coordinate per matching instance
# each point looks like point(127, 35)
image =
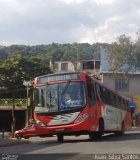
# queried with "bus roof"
point(58, 77)
point(69, 76)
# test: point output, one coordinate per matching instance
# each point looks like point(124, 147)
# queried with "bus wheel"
point(121, 133)
point(122, 128)
point(91, 135)
point(98, 134)
point(60, 138)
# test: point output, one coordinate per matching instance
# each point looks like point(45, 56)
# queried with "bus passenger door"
point(99, 100)
point(92, 106)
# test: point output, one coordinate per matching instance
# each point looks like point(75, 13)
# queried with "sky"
point(36, 22)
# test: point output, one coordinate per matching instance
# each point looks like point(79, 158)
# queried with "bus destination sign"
point(57, 77)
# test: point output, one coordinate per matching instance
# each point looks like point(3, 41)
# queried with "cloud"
point(34, 22)
point(72, 1)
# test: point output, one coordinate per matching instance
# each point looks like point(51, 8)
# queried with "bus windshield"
point(59, 97)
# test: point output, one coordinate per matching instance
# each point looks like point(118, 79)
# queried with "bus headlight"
point(81, 118)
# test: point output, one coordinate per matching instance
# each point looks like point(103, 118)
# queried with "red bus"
point(75, 104)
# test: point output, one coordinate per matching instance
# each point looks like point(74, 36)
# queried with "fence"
point(9, 102)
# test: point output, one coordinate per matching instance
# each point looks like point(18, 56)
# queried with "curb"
point(11, 142)
point(137, 128)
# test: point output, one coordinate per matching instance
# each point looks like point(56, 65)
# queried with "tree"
point(136, 51)
point(16, 69)
point(124, 55)
point(54, 51)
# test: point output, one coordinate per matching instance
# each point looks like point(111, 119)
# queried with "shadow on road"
point(107, 137)
point(51, 143)
point(125, 137)
point(67, 156)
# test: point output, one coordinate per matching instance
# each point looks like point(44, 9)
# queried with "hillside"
point(54, 51)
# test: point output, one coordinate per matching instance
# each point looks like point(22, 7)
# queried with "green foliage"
point(124, 55)
point(20, 62)
point(16, 69)
point(136, 52)
point(54, 51)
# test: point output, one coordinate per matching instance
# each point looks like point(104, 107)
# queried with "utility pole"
point(13, 117)
point(28, 85)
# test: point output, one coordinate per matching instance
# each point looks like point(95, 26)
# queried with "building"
point(125, 86)
point(62, 66)
point(13, 110)
point(6, 113)
point(90, 66)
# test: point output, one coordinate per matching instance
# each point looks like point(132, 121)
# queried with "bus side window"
point(107, 96)
point(90, 88)
point(114, 103)
point(128, 108)
point(120, 104)
point(42, 97)
point(99, 93)
point(36, 97)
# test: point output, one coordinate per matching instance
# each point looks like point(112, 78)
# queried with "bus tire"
point(98, 134)
point(60, 138)
point(121, 133)
point(91, 135)
point(122, 128)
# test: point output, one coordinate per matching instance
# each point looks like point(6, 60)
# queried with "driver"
point(66, 101)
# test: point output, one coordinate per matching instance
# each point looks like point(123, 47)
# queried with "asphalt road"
point(78, 148)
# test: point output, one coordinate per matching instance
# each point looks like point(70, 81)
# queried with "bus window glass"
point(40, 98)
point(51, 98)
point(99, 92)
point(61, 96)
point(113, 100)
point(71, 95)
point(108, 97)
point(90, 88)
point(120, 105)
point(36, 97)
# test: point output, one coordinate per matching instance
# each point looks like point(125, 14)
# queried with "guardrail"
point(9, 102)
